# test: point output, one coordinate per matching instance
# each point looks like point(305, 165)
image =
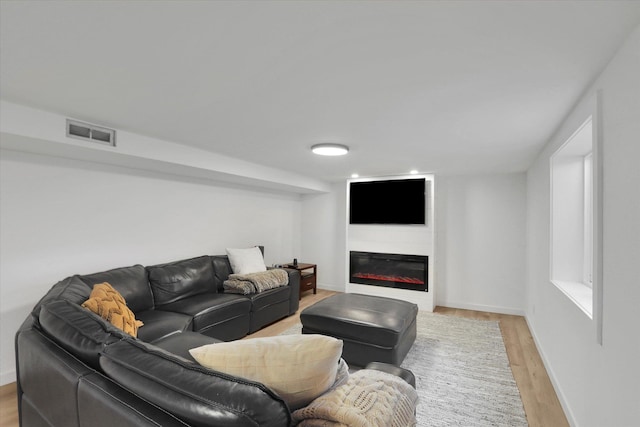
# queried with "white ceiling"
point(442, 87)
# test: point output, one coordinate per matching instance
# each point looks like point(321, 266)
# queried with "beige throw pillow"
point(244, 261)
point(297, 367)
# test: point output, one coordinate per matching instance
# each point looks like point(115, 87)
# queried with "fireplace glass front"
point(390, 270)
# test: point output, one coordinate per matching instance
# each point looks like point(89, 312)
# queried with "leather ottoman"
point(373, 329)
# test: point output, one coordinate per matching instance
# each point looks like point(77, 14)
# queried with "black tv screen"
point(398, 201)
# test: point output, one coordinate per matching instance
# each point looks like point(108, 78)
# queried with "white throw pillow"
point(245, 261)
point(297, 367)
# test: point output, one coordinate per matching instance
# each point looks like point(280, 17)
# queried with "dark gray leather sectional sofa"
point(75, 369)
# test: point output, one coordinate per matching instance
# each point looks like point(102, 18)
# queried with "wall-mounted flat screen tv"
point(397, 201)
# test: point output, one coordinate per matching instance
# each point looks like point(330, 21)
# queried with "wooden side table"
point(307, 276)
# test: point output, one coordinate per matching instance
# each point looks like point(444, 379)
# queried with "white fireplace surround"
point(397, 239)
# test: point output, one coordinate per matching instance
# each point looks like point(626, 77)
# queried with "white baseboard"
point(7, 377)
point(480, 307)
point(552, 376)
point(335, 288)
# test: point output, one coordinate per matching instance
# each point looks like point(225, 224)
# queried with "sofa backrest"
point(78, 330)
point(71, 289)
point(222, 270)
point(180, 279)
point(132, 283)
point(197, 395)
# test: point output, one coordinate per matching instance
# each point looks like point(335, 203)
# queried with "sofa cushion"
point(181, 279)
point(245, 261)
point(132, 283)
point(297, 367)
point(159, 323)
point(210, 309)
point(78, 330)
point(195, 394)
point(107, 303)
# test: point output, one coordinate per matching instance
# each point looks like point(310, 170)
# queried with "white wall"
point(597, 384)
point(60, 217)
point(480, 228)
point(480, 235)
point(323, 231)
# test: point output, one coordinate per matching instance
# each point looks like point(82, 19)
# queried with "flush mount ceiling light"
point(330, 149)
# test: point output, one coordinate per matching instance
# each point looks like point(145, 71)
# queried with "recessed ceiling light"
point(330, 149)
point(354, 175)
point(413, 171)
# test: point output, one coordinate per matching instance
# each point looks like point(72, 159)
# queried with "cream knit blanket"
point(369, 399)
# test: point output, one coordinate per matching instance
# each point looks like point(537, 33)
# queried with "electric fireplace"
point(389, 270)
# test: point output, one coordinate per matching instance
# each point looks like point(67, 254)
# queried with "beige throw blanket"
point(256, 282)
point(369, 399)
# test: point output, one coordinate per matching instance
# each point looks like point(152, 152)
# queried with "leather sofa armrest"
point(294, 283)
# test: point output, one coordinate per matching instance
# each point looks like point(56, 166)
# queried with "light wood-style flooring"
point(538, 396)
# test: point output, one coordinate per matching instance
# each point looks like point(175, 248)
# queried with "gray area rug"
point(462, 373)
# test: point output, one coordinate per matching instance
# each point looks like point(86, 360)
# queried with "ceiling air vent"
point(87, 132)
